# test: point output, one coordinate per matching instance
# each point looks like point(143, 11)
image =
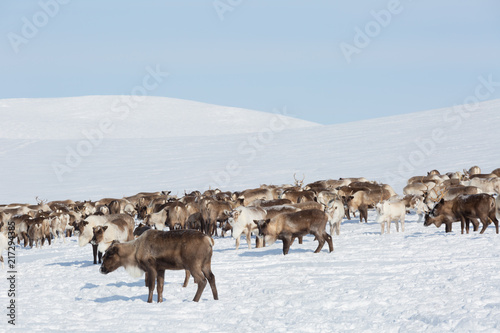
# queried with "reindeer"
point(299, 183)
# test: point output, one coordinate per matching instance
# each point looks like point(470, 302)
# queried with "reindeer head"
point(98, 234)
point(111, 259)
point(299, 183)
point(262, 225)
point(435, 216)
point(232, 216)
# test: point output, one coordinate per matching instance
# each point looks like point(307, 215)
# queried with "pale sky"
point(257, 54)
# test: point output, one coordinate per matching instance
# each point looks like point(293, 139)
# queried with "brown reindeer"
point(466, 209)
point(155, 251)
point(288, 226)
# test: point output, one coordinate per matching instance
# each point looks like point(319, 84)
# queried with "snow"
point(419, 280)
point(389, 150)
point(132, 116)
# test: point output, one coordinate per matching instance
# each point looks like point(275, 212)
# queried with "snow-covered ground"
point(422, 279)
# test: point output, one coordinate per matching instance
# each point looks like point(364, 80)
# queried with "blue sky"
point(262, 55)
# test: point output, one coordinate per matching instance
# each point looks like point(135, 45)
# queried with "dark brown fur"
point(141, 228)
point(155, 251)
point(466, 209)
point(195, 222)
point(215, 211)
point(274, 202)
point(177, 216)
point(496, 172)
point(287, 226)
point(114, 207)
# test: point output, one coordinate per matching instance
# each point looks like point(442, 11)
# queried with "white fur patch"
point(83, 240)
point(102, 247)
point(269, 240)
point(134, 271)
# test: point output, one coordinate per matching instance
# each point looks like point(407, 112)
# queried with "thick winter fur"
point(250, 195)
point(389, 211)
point(336, 212)
point(177, 216)
point(288, 226)
point(212, 212)
point(35, 234)
point(86, 230)
point(155, 251)
point(486, 185)
point(242, 222)
point(117, 229)
point(466, 209)
point(157, 220)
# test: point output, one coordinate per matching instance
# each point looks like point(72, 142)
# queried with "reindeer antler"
point(299, 183)
point(40, 201)
point(440, 195)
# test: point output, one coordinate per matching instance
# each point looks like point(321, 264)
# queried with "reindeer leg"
point(485, 223)
point(329, 241)
point(287, 241)
point(159, 284)
point(211, 280)
point(321, 242)
point(25, 238)
point(186, 280)
point(201, 281)
point(475, 224)
point(150, 281)
point(238, 242)
point(249, 239)
point(260, 241)
point(94, 252)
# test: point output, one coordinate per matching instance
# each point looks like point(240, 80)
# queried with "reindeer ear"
point(267, 221)
point(104, 228)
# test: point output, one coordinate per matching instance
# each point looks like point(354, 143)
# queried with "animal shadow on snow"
point(73, 263)
point(89, 286)
point(121, 298)
point(139, 283)
point(277, 251)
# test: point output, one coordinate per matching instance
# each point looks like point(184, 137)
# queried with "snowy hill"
point(131, 117)
point(419, 280)
point(62, 159)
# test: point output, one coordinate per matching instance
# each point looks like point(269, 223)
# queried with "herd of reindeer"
point(129, 231)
